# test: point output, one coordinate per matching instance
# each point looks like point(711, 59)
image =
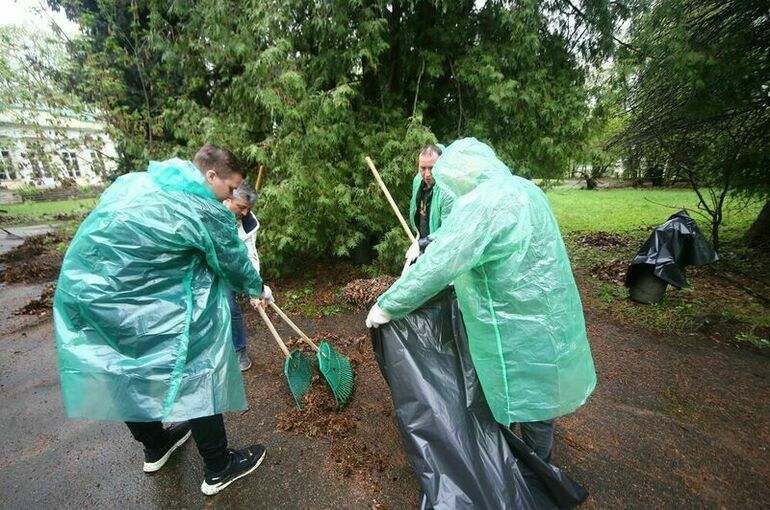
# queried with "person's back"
point(139, 264)
point(140, 315)
point(527, 278)
point(502, 248)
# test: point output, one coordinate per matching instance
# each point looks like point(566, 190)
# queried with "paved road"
point(11, 237)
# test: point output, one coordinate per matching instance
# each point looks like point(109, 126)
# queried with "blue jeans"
point(239, 334)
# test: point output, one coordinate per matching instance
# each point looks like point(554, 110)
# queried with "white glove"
point(413, 252)
point(267, 295)
point(377, 317)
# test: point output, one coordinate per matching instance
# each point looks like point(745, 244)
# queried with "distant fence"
point(49, 195)
point(9, 197)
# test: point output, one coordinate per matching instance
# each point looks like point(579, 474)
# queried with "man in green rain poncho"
point(429, 206)
point(502, 248)
point(141, 317)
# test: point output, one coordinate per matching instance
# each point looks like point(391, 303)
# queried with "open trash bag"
point(455, 446)
point(670, 248)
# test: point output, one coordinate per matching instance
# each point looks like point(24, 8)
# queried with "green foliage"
point(697, 82)
point(29, 68)
point(391, 251)
point(29, 192)
point(751, 338)
point(311, 88)
point(302, 300)
point(35, 99)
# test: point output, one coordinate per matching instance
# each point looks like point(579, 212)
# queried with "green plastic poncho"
point(140, 315)
point(502, 247)
point(440, 205)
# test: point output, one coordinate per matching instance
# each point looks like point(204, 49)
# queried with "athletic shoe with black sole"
point(176, 435)
point(242, 463)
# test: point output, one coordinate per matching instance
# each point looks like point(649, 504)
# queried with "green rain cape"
point(141, 319)
point(440, 205)
point(502, 248)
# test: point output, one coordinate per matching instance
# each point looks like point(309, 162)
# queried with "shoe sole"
point(210, 490)
point(246, 368)
point(151, 467)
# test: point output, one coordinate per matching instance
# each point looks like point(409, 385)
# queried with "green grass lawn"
point(31, 212)
point(626, 210)
point(712, 306)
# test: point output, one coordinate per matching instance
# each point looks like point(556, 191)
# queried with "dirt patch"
point(322, 418)
point(67, 216)
point(604, 240)
point(32, 247)
point(15, 219)
point(40, 306)
point(44, 268)
point(613, 271)
point(37, 260)
point(363, 293)
point(357, 449)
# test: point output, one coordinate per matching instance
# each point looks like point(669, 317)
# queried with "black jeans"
point(208, 432)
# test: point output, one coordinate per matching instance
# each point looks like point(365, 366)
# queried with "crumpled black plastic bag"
point(670, 248)
point(459, 452)
point(549, 485)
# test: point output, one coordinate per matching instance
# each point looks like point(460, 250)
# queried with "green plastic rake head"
point(299, 373)
point(297, 367)
point(337, 371)
point(335, 367)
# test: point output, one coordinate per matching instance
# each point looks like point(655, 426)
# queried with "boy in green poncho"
point(502, 247)
point(141, 317)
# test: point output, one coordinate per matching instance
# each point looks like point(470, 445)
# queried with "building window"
point(97, 163)
point(7, 170)
point(71, 167)
point(38, 169)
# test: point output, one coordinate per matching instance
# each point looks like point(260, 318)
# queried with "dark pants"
point(539, 436)
point(208, 432)
point(239, 333)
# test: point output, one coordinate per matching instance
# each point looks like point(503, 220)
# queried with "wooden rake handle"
point(390, 199)
point(293, 326)
point(270, 326)
point(260, 175)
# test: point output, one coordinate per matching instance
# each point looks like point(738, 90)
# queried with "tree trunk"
point(759, 233)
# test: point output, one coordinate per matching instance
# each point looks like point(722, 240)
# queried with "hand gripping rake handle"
point(274, 332)
point(390, 199)
point(294, 326)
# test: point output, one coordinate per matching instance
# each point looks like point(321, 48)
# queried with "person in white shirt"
point(244, 198)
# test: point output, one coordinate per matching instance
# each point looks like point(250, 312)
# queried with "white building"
point(43, 147)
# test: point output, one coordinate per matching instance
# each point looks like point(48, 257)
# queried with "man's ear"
point(210, 175)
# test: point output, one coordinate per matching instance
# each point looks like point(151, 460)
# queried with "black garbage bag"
point(455, 446)
point(548, 484)
point(670, 248)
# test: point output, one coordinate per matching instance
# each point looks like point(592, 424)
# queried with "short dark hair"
point(430, 149)
point(222, 161)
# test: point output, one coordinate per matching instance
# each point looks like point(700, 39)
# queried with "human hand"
point(377, 317)
point(413, 252)
point(267, 295)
